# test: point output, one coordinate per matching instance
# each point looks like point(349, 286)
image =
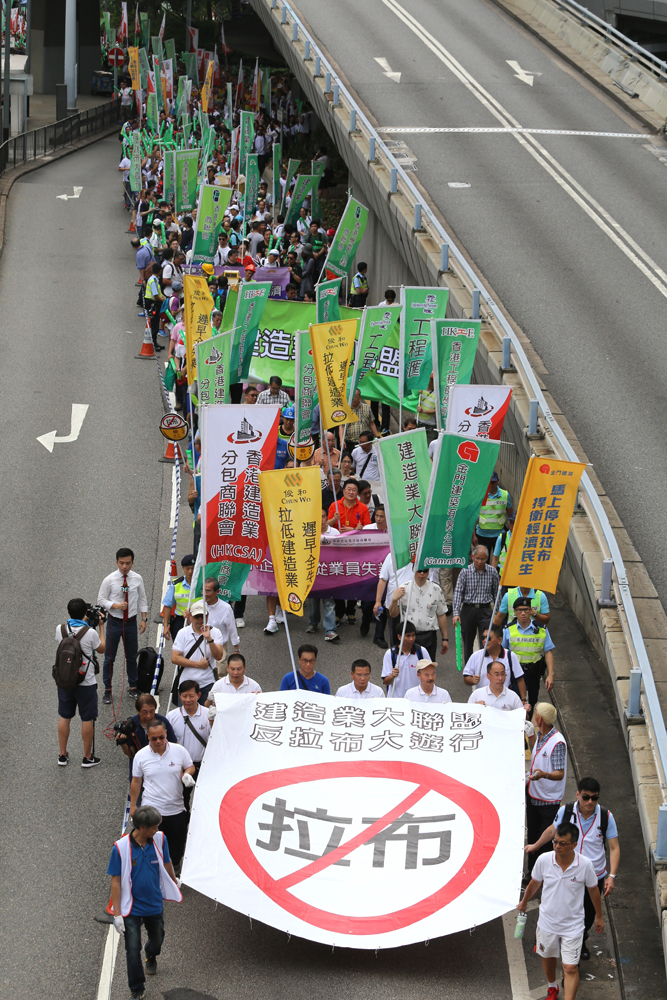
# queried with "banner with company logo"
point(198, 303)
point(405, 468)
point(305, 389)
point(349, 235)
point(302, 189)
point(453, 345)
point(327, 305)
point(377, 325)
point(359, 824)
point(420, 306)
point(185, 181)
point(478, 411)
point(213, 202)
point(460, 477)
point(213, 369)
point(249, 303)
point(332, 345)
point(238, 442)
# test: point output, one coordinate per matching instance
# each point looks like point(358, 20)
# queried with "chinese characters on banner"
point(250, 300)
point(237, 443)
point(305, 390)
point(213, 369)
point(213, 202)
point(349, 235)
point(326, 300)
point(362, 824)
point(478, 411)
point(292, 502)
point(405, 468)
point(420, 306)
point(454, 345)
point(206, 89)
point(377, 324)
point(538, 541)
point(332, 346)
point(133, 66)
point(197, 317)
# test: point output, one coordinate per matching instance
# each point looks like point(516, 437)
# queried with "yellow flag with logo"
point(292, 506)
point(332, 345)
point(206, 89)
point(133, 66)
point(197, 316)
point(537, 546)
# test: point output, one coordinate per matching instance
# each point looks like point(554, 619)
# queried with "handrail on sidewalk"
point(606, 537)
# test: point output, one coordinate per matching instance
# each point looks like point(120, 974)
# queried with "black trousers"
point(386, 414)
point(589, 909)
point(345, 608)
point(175, 829)
point(538, 819)
point(532, 675)
point(429, 640)
point(473, 622)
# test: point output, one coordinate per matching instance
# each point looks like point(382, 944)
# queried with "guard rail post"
point(475, 303)
point(353, 120)
point(605, 600)
point(444, 258)
point(394, 181)
point(660, 853)
point(295, 32)
point(283, 15)
point(532, 418)
point(371, 149)
point(507, 354)
point(306, 50)
point(633, 713)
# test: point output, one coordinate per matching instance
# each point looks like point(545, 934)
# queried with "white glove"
point(119, 924)
point(212, 712)
point(188, 780)
point(528, 728)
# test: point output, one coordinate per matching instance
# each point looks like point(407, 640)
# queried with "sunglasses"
point(156, 739)
point(589, 798)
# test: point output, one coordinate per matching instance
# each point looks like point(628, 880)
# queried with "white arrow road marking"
point(525, 75)
point(396, 77)
point(79, 411)
point(68, 197)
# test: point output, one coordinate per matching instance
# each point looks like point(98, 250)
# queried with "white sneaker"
point(271, 627)
point(240, 622)
point(280, 615)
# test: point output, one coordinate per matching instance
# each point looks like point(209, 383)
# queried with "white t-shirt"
point(225, 686)
point(126, 96)
point(401, 579)
point(184, 734)
point(221, 616)
point(184, 642)
point(407, 670)
point(437, 697)
point(350, 691)
point(371, 472)
point(478, 663)
point(125, 163)
point(161, 775)
point(506, 702)
point(89, 643)
point(331, 531)
point(431, 448)
point(562, 904)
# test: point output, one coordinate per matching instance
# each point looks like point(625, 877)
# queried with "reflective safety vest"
point(515, 593)
point(362, 287)
point(182, 596)
point(501, 562)
point(493, 513)
point(528, 646)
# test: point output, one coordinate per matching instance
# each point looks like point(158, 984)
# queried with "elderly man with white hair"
point(545, 782)
point(474, 598)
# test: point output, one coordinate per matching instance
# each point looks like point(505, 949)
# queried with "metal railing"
point(42, 141)
point(288, 22)
point(631, 49)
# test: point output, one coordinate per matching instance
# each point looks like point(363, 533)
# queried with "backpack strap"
point(569, 810)
point(604, 823)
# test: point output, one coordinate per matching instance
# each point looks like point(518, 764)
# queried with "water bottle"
point(520, 925)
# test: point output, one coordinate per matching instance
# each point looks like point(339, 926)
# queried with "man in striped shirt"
point(274, 394)
point(474, 598)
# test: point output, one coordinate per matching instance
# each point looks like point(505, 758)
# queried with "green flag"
point(170, 51)
point(144, 67)
point(246, 137)
point(145, 30)
point(317, 170)
point(420, 306)
point(251, 300)
point(169, 174)
point(453, 345)
point(277, 190)
point(229, 121)
point(213, 201)
point(135, 169)
point(326, 301)
point(292, 167)
point(187, 129)
point(191, 71)
point(181, 98)
point(377, 325)
point(230, 575)
point(185, 185)
point(302, 189)
point(152, 112)
point(305, 391)
point(213, 368)
point(349, 234)
point(156, 45)
point(405, 468)
point(252, 180)
point(460, 478)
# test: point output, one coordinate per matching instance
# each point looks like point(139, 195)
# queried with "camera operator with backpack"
point(75, 672)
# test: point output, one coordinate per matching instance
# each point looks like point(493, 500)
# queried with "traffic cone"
point(132, 228)
point(147, 349)
point(169, 455)
point(173, 572)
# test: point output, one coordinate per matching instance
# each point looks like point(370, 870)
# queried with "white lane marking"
point(569, 185)
point(396, 77)
point(516, 959)
point(524, 131)
point(79, 411)
point(658, 151)
point(525, 75)
point(458, 184)
point(68, 197)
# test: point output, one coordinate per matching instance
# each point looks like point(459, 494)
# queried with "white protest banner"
point(478, 411)
point(364, 824)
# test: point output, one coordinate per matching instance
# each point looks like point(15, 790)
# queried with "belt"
point(469, 604)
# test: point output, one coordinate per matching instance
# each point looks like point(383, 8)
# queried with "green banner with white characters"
point(317, 170)
point(152, 112)
point(251, 185)
point(405, 468)
point(145, 30)
point(170, 50)
point(454, 345)
point(144, 67)
point(302, 189)
point(277, 190)
point(349, 234)
point(135, 169)
point(185, 187)
point(156, 45)
point(213, 202)
point(230, 575)
point(251, 300)
point(169, 174)
point(327, 306)
point(377, 325)
point(305, 388)
point(420, 306)
point(246, 138)
point(292, 167)
point(214, 368)
point(181, 97)
point(191, 71)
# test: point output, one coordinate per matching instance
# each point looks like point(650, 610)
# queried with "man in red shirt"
point(349, 513)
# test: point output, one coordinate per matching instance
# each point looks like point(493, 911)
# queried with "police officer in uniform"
point(533, 646)
point(539, 605)
point(177, 598)
point(491, 520)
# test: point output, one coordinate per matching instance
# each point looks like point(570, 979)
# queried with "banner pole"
point(355, 370)
point(325, 435)
point(401, 356)
point(291, 651)
point(493, 615)
point(405, 622)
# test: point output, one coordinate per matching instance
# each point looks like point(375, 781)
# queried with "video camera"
point(95, 615)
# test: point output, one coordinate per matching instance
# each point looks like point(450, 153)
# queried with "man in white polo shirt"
point(564, 876)
point(195, 651)
point(496, 694)
point(399, 666)
point(191, 726)
point(219, 615)
point(360, 687)
point(474, 672)
point(426, 691)
point(162, 770)
point(234, 682)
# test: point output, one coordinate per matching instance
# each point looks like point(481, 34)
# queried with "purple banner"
point(349, 567)
point(278, 276)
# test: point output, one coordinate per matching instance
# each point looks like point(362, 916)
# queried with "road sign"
point(116, 56)
point(174, 427)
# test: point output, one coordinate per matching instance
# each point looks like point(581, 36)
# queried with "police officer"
point(539, 605)
point(491, 520)
point(153, 298)
point(177, 598)
point(533, 646)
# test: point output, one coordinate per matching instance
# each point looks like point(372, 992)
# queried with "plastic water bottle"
point(520, 925)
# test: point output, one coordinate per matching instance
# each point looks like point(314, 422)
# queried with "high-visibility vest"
point(182, 597)
point(515, 593)
point(363, 285)
point(501, 559)
point(528, 646)
point(152, 287)
point(493, 513)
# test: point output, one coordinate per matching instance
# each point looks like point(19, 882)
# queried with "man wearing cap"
point(360, 286)
point(474, 598)
point(539, 605)
point(153, 299)
point(285, 432)
point(496, 694)
point(195, 650)
point(275, 395)
point(533, 646)
point(427, 609)
point(272, 259)
point(360, 688)
point(475, 671)
point(175, 601)
point(491, 519)
point(426, 691)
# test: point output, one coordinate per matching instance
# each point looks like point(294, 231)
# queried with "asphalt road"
point(533, 228)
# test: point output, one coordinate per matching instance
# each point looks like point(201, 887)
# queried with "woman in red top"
point(349, 513)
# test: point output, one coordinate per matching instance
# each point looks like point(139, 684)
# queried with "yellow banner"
point(133, 56)
point(292, 505)
point(332, 345)
point(206, 89)
point(539, 536)
point(197, 313)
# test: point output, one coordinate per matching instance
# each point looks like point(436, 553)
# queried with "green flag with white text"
point(152, 112)
point(377, 325)
point(302, 189)
point(420, 306)
point(169, 174)
point(230, 575)
point(191, 70)
point(317, 170)
point(185, 185)
point(326, 301)
point(144, 67)
point(246, 138)
point(305, 388)
point(454, 345)
point(135, 169)
point(156, 45)
point(251, 185)
point(349, 234)
point(170, 51)
point(214, 368)
point(251, 300)
point(145, 30)
point(405, 468)
point(181, 97)
point(462, 469)
point(292, 167)
point(213, 201)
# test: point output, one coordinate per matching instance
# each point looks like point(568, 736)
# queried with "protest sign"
point(206, 89)
point(327, 306)
point(213, 368)
point(302, 189)
point(246, 138)
point(169, 173)
point(196, 317)
point(478, 411)
point(213, 201)
point(250, 302)
point(279, 277)
point(405, 468)
point(135, 169)
point(420, 306)
point(361, 824)
point(349, 234)
point(305, 389)
point(377, 324)
point(453, 345)
point(332, 345)
point(185, 181)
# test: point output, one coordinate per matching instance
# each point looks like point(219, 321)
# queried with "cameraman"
point(84, 695)
point(136, 739)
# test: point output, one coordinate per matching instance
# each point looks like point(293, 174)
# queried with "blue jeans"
point(329, 610)
point(136, 977)
point(117, 629)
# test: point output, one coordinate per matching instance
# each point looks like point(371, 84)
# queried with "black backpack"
point(146, 663)
point(604, 819)
point(69, 669)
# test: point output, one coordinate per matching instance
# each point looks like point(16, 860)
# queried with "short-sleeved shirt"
point(145, 875)
point(507, 701)
point(562, 904)
point(548, 644)
point(225, 686)
point(161, 775)
point(438, 696)
point(478, 665)
point(407, 669)
point(351, 517)
point(318, 682)
point(184, 734)
point(544, 603)
point(366, 464)
point(426, 603)
point(363, 423)
point(125, 164)
point(184, 642)
point(89, 643)
point(221, 616)
point(350, 691)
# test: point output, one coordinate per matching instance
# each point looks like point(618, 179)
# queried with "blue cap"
point(288, 412)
